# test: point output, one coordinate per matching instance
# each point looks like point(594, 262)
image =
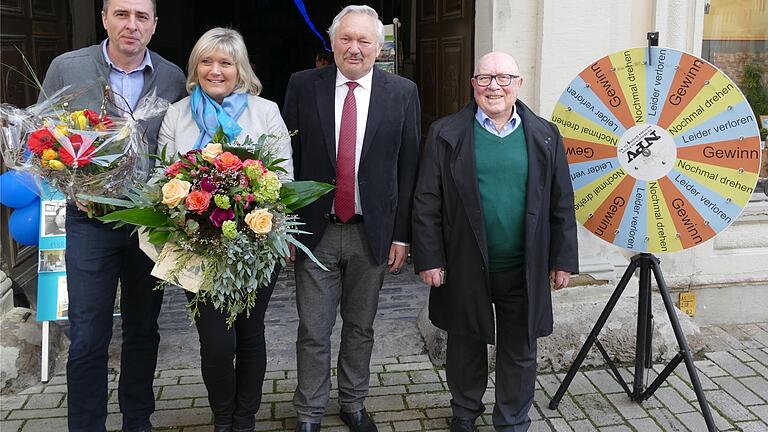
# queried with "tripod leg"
point(686, 352)
point(643, 313)
point(593, 334)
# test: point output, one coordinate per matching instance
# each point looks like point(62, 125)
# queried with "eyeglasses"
point(502, 80)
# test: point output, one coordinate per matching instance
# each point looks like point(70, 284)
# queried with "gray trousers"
point(353, 282)
point(467, 361)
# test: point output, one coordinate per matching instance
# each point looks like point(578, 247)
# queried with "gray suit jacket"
point(88, 64)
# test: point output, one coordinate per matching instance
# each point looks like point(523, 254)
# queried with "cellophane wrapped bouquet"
point(220, 220)
point(80, 152)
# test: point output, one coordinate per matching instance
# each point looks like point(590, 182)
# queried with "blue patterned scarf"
point(209, 115)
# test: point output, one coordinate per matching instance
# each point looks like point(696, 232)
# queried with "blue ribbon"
point(303, 11)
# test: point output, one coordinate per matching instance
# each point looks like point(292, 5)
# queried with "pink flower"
point(218, 216)
point(207, 185)
point(174, 169)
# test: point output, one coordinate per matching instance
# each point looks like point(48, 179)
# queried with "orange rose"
point(228, 162)
point(198, 201)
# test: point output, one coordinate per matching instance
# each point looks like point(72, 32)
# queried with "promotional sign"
point(663, 149)
point(388, 56)
point(52, 300)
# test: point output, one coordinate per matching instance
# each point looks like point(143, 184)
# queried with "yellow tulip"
point(49, 154)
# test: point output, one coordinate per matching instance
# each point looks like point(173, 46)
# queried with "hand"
point(559, 279)
point(433, 277)
point(397, 255)
point(291, 258)
point(82, 206)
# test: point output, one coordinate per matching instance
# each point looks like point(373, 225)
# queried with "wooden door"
point(444, 56)
point(37, 30)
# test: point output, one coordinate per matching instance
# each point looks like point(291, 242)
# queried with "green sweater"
point(502, 174)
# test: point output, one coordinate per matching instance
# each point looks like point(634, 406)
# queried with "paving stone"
point(385, 403)
point(386, 416)
point(684, 389)
point(560, 425)
point(598, 409)
point(438, 412)
point(57, 380)
point(394, 378)
point(730, 364)
point(580, 384)
point(425, 388)
point(540, 426)
point(549, 383)
point(37, 413)
point(739, 391)
point(757, 384)
point(182, 417)
point(758, 355)
point(45, 400)
point(645, 425)
point(761, 369)
point(754, 426)
point(742, 355)
point(728, 406)
point(194, 379)
point(428, 400)
point(628, 408)
point(11, 402)
point(760, 411)
point(707, 367)
point(45, 425)
point(583, 426)
point(620, 428)
point(32, 390)
point(384, 390)
point(274, 375)
point(408, 366)
point(604, 381)
point(667, 421)
point(706, 383)
point(569, 410)
point(184, 391)
point(171, 404)
point(672, 400)
point(180, 372)
point(407, 425)
point(421, 358)
point(695, 421)
point(287, 385)
point(424, 377)
point(436, 424)
point(11, 425)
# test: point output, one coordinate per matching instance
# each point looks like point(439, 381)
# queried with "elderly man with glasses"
point(493, 228)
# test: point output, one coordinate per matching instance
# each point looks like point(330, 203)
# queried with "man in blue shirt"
point(99, 257)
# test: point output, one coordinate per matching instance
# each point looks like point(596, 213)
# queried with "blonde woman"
point(224, 93)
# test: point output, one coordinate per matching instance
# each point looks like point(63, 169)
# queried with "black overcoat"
point(448, 229)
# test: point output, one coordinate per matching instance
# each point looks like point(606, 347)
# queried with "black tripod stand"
point(647, 264)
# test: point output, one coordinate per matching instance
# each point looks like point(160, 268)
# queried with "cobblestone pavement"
point(409, 394)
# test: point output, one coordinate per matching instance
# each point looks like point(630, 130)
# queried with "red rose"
point(40, 141)
point(174, 169)
point(69, 159)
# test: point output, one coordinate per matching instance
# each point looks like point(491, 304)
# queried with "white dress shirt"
point(362, 102)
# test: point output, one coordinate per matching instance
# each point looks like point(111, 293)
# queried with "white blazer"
point(179, 131)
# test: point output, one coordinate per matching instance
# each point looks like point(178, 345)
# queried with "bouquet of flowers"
point(221, 219)
point(80, 152)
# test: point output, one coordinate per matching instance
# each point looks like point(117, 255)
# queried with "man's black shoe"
point(307, 427)
point(359, 421)
point(463, 424)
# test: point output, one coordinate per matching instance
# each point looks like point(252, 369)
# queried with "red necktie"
point(345, 157)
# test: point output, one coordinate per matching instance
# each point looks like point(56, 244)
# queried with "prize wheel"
point(663, 149)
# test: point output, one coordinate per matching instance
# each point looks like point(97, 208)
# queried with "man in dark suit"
point(358, 129)
point(493, 226)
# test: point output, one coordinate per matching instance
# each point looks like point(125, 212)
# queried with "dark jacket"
point(449, 231)
point(388, 162)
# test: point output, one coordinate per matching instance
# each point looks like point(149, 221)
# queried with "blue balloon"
point(17, 189)
point(24, 224)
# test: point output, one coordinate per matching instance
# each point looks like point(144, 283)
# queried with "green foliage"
point(146, 217)
point(755, 89)
point(298, 194)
